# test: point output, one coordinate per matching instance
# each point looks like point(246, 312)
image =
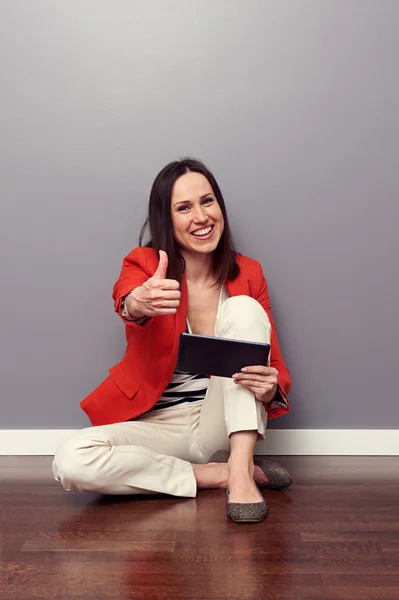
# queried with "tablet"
point(218, 356)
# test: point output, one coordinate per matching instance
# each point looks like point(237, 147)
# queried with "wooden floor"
point(333, 535)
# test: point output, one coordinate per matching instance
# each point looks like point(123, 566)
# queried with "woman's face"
point(196, 216)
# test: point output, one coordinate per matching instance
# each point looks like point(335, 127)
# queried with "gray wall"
point(294, 106)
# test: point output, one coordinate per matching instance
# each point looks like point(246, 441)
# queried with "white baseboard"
point(305, 442)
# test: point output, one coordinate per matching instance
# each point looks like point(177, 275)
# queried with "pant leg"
point(229, 407)
point(147, 455)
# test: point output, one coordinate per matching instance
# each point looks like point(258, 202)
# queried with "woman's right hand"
point(157, 296)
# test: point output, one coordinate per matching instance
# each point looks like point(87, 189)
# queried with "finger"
point(159, 294)
point(260, 376)
point(171, 294)
point(255, 389)
point(162, 268)
point(261, 369)
point(165, 284)
point(256, 385)
point(252, 378)
point(166, 303)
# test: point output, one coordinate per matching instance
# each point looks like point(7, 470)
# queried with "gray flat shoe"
point(246, 512)
point(278, 477)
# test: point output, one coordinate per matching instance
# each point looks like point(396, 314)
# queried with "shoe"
point(278, 477)
point(246, 512)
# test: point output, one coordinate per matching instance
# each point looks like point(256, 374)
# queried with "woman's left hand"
point(262, 381)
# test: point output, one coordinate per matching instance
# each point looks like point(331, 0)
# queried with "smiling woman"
point(185, 196)
point(155, 428)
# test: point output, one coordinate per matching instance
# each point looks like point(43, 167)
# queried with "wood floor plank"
point(334, 535)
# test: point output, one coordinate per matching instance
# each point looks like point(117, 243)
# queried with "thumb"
point(162, 268)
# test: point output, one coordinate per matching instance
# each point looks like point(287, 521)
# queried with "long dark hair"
point(159, 221)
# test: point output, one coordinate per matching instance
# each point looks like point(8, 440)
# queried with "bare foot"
point(216, 475)
point(242, 488)
point(259, 476)
point(241, 483)
point(211, 475)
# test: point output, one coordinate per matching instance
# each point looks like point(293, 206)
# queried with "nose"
point(200, 215)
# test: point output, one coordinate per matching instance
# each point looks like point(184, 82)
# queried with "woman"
point(155, 428)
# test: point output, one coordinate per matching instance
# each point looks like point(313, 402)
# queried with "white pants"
point(153, 453)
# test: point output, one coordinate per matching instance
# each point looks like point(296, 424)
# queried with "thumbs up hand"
point(157, 296)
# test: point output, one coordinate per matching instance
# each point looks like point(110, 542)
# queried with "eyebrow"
point(186, 201)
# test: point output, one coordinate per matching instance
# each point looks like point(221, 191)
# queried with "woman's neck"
point(198, 267)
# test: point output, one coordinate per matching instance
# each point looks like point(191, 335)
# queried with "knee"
point(245, 312)
point(70, 461)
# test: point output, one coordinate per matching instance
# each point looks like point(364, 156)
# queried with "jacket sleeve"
point(134, 273)
point(275, 408)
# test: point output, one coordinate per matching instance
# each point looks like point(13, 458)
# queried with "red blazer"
point(136, 383)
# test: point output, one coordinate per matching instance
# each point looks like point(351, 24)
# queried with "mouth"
point(203, 234)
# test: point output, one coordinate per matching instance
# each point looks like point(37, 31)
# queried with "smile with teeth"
point(203, 233)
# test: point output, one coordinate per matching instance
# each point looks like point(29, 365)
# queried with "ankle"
point(239, 462)
point(211, 475)
point(240, 474)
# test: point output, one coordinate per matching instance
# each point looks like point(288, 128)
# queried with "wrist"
point(132, 308)
point(270, 396)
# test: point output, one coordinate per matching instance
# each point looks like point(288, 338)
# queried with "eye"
point(182, 208)
point(207, 201)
